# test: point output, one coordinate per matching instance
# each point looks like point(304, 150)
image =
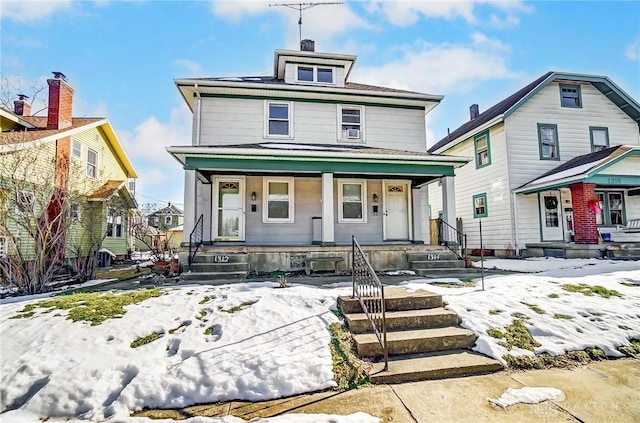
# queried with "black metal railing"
point(195, 239)
point(452, 238)
point(370, 293)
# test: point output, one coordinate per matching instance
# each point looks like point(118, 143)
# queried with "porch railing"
point(369, 291)
point(452, 238)
point(195, 239)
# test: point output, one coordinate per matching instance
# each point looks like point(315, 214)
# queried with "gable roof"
point(504, 108)
point(580, 168)
point(168, 210)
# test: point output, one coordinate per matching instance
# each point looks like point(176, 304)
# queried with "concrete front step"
point(432, 256)
point(395, 299)
point(435, 365)
point(220, 257)
point(402, 320)
point(212, 276)
point(415, 341)
point(219, 267)
point(432, 264)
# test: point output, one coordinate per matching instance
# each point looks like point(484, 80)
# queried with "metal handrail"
point(370, 293)
point(452, 238)
point(195, 238)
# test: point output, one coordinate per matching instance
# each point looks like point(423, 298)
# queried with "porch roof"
point(310, 159)
point(612, 167)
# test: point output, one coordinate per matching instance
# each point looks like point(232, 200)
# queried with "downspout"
point(198, 113)
point(515, 224)
point(514, 207)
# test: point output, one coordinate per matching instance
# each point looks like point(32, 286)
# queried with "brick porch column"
point(584, 220)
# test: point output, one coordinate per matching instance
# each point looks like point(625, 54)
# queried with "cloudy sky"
point(123, 56)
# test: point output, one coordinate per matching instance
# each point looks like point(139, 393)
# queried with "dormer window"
point(315, 74)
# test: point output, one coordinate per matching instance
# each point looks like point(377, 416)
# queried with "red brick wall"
point(60, 104)
point(584, 220)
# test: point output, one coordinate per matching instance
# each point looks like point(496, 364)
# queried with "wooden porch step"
point(409, 319)
point(415, 341)
point(435, 365)
point(396, 299)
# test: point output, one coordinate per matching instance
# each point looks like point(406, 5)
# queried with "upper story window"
point(483, 149)
point(351, 122)
point(570, 96)
point(76, 149)
point(480, 205)
point(168, 220)
point(92, 163)
point(351, 196)
point(318, 74)
point(548, 141)
point(278, 119)
point(278, 200)
point(599, 138)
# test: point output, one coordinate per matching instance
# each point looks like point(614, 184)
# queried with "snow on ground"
point(277, 346)
point(527, 395)
point(287, 418)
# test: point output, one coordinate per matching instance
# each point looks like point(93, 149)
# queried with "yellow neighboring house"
point(67, 173)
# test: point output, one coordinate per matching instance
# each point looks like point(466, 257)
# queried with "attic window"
point(570, 96)
point(315, 74)
point(305, 74)
point(325, 75)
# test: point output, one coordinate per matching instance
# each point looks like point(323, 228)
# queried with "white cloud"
point(236, 10)
point(192, 68)
point(443, 68)
point(160, 175)
point(633, 49)
point(32, 10)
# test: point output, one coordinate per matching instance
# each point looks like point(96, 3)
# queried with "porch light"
point(253, 196)
point(375, 198)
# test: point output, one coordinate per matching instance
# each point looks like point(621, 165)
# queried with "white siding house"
point(307, 157)
point(556, 162)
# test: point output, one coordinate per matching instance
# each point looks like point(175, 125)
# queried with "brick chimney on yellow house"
point(60, 102)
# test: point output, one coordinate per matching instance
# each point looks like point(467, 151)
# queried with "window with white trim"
point(76, 149)
point(352, 196)
point(278, 200)
point(168, 220)
point(92, 163)
point(278, 119)
point(350, 120)
point(4, 247)
point(114, 223)
point(25, 202)
point(74, 211)
point(315, 74)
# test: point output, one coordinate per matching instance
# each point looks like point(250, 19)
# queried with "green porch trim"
point(326, 101)
point(617, 180)
point(317, 166)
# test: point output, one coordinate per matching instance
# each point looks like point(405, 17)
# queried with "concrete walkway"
point(607, 391)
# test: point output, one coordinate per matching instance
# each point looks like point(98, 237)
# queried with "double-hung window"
point(278, 200)
point(351, 197)
point(611, 205)
point(76, 149)
point(548, 141)
point(314, 74)
point(74, 211)
point(168, 220)
point(4, 246)
point(482, 149)
point(480, 205)
point(570, 96)
point(92, 163)
point(114, 223)
point(599, 138)
point(278, 121)
point(25, 202)
point(351, 122)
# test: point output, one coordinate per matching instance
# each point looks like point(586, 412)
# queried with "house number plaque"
point(221, 259)
point(433, 256)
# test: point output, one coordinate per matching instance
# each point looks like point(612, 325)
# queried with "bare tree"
point(153, 239)
point(11, 85)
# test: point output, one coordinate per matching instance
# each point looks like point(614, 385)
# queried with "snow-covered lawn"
point(255, 341)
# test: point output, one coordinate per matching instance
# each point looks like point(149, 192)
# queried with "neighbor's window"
point(168, 220)
point(548, 141)
point(570, 96)
point(350, 122)
point(351, 199)
point(278, 119)
point(76, 149)
point(599, 138)
point(114, 223)
point(278, 200)
point(25, 202)
point(611, 208)
point(74, 211)
point(480, 205)
point(483, 150)
point(92, 163)
point(4, 247)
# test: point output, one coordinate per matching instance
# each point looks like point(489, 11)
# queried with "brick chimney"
point(60, 102)
point(307, 45)
point(474, 111)
point(21, 107)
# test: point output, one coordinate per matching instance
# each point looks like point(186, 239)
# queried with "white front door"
point(228, 209)
point(396, 216)
point(550, 216)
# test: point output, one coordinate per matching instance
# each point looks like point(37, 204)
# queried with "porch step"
point(435, 264)
point(435, 365)
point(626, 251)
point(219, 267)
point(437, 255)
point(212, 276)
point(415, 341)
point(395, 299)
point(449, 272)
point(409, 319)
point(220, 257)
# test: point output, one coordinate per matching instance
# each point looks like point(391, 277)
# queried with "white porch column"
point(448, 201)
point(189, 204)
point(417, 197)
point(328, 237)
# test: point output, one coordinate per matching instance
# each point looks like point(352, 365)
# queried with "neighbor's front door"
point(551, 216)
point(396, 215)
point(228, 209)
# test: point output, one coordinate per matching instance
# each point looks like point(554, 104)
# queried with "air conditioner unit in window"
point(353, 133)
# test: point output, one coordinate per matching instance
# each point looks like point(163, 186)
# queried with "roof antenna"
point(303, 6)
